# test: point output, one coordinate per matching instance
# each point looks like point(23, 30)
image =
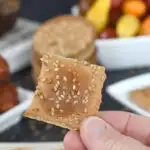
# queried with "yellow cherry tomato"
point(128, 26)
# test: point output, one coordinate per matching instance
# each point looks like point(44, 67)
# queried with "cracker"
point(68, 91)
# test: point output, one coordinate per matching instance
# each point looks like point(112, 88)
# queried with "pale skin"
point(112, 130)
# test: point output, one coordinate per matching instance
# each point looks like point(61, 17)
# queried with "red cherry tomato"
point(114, 16)
point(108, 33)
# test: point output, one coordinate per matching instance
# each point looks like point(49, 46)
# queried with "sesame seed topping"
point(52, 109)
point(62, 96)
point(93, 80)
point(58, 106)
point(74, 80)
point(65, 79)
point(61, 110)
point(59, 98)
point(62, 66)
point(75, 96)
point(74, 87)
point(57, 77)
point(57, 61)
point(63, 92)
point(43, 79)
point(47, 69)
point(67, 101)
point(75, 102)
point(41, 97)
point(56, 69)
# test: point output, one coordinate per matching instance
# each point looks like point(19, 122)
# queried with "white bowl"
point(122, 53)
point(14, 115)
point(120, 92)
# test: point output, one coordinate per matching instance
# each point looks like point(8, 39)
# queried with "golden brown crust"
point(70, 34)
point(141, 97)
point(90, 57)
point(68, 91)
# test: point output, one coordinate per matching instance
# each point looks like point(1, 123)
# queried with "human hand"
point(112, 131)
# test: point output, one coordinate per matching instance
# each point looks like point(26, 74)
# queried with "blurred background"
point(36, 12)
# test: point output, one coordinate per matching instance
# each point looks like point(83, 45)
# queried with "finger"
point(72, 141)
point(129, 124)
point(98, 135)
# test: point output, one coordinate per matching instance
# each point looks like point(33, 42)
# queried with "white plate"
point(14, 115)
point(32, 146)
point(121, 53)
point(120, 91)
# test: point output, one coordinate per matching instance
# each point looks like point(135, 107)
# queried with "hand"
point(111, 131)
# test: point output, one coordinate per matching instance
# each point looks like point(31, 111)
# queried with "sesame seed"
point(62, 96)
point(52, 109)
point(52, 113)
point(69, 97)
point(43, 79)
point(57, 77)
point(58, 106)
point(74, 87)
point(61, 110)
point(75, 96)
point(67, 101)
point(85, 110)
point(57, 83)
point(74, 80)
point(65, 79)
point(59, 98)
point(41, 97)
point(75, 102)
point(93, 80)
point(47, 69)
point(63, 92)
point(62, 66)
point(56, 69)
point(57, 61)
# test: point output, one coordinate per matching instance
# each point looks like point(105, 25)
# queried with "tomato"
point(127, 26)
point(108, 33)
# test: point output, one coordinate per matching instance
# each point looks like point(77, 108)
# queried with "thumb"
point(98, 135)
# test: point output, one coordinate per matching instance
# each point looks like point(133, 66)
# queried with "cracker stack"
point(68, 36)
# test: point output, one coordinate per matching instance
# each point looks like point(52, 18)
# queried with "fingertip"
point(72, 141)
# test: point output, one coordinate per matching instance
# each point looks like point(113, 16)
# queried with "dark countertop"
point(29, 130)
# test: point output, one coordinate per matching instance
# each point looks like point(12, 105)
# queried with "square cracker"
point(68, 91)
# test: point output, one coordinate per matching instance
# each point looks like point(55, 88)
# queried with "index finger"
point(129, 124)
